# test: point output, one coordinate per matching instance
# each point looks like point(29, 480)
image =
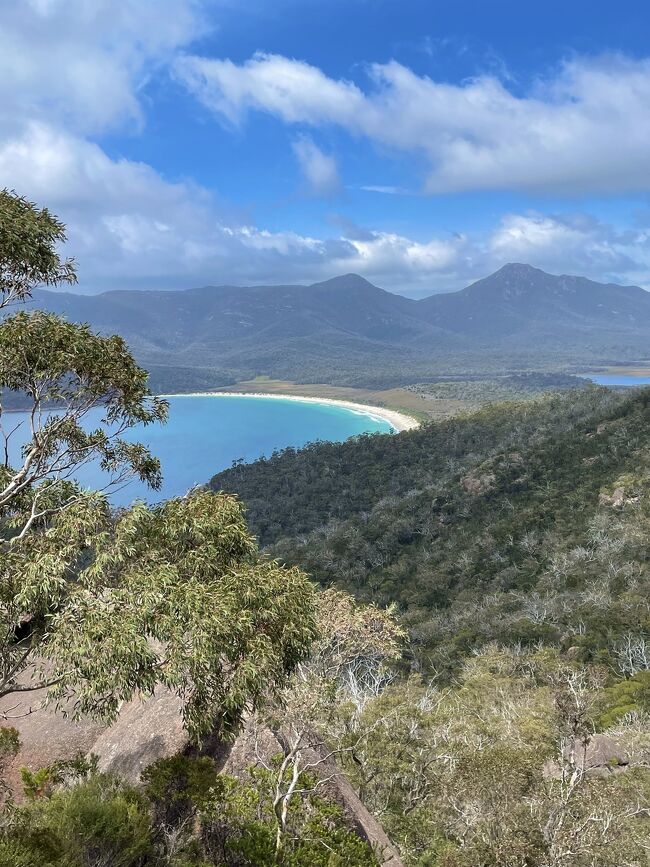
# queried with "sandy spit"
point(397, 420)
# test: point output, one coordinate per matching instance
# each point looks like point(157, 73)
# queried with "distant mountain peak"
point(347, 281)
point(348, 324)
point(517, 280)
point(517, 269)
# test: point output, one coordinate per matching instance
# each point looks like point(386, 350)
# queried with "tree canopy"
point(29, 237)
point(101, 605)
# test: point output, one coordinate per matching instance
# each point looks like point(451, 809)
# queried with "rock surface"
point(151, 728)
point(599, 756)
point(148, 729)
point(45, 735)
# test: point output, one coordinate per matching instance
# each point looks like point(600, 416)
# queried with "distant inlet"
point(204, 436)
point(627, 380)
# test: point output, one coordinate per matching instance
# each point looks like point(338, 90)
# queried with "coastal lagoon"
point(205, 434)
point(618, 379)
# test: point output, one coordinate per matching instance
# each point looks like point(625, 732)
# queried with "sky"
point(420, 143)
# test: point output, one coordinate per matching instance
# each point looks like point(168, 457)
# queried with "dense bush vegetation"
point(479, 390)
point(187, 815)
point(492, 771)
point(520, 523)
point(296, 491)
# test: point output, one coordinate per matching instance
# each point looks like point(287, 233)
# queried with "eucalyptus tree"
point(97, 605)
point(29, 257)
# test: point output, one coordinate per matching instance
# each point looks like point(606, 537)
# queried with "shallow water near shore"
point(204, 435)
point(618, 379)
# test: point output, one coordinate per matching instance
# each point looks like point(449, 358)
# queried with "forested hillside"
point(512, 547)
point(521, 523)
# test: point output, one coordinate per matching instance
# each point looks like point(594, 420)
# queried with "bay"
point(618, 379)
point(206, 434)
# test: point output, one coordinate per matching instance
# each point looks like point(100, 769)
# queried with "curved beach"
point(399, 421)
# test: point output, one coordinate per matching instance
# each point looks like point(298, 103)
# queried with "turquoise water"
point(618, 379)
point(206, 434)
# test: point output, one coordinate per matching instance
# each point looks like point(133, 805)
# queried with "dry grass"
point(399, 399)
point(632, 370)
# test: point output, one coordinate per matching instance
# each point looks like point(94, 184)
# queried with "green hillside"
point(489, 527)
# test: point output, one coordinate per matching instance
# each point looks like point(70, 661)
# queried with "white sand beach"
point(397, 420)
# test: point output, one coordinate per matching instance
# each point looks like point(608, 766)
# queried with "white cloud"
point(584, 128)
point(576, 244)
point(84, 62)
point(378, 188)
point(70, 69)
point(129, 227)
point(394, 259)
point(290, 89)
point(319, 169)
point(573, 244)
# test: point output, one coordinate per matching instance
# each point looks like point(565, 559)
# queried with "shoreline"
point(399, 421)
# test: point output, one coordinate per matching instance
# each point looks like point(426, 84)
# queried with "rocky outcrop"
point(601, 755)
point(46, 736)
point(476, 484)
point(149, 729)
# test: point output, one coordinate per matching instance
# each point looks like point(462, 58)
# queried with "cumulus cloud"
point(290, 89)
point(319, 169)
point(561, 244)
point(584, 128)
point(129, 227)
point(575, 244)
point(72, 69)
point(84, 63)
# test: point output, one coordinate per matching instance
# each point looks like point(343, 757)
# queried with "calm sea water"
point(206, 434)
point(618, 379)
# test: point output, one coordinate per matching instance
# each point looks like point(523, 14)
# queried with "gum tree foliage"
point(28, 249)
point(95, 605)
point(64, 371)
point(175, 595)
point(58, 373)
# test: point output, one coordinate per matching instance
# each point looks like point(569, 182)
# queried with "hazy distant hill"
point(347, 330)
point(518, 301)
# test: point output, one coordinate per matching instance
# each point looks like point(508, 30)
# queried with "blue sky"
point(421, 144)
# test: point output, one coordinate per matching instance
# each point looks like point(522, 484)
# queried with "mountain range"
point(348, 331)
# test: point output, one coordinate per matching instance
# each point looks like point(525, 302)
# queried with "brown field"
point(640, 369)
point(399, 399)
